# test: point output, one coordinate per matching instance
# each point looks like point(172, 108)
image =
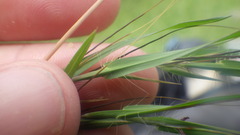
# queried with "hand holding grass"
point(37, 97)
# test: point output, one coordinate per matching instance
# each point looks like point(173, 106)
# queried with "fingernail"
point(31, 101)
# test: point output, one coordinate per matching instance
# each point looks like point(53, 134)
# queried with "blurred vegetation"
point(182, 11)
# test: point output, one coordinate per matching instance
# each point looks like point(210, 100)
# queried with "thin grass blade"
point(226, 67)
point(103, 53)
point(102, 123)
point(147, 79)
point(138, 110)
point(174, 125)
point(126, 66)
point(186, 73)
point(134, 114)
point(79, 55)
point(197, 23)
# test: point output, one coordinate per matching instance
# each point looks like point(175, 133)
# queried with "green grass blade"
point(147, 79)
point(134, 113)
point(226, 67)
point(179, 27)
point(103, 53)
point(192, 131)
point(79, 55)
point(133, 64)
point(198, 22)
point(230, 37)
point(94, 58)
point(174, 125)
point(162, 123)
point(138, 110)
point(142, 107)
point(108, 114)
point(126, 66)
point(186, 73)
point(102, 123)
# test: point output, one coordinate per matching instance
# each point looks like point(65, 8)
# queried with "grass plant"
point(176, 62)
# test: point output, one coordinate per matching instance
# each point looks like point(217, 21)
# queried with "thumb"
point(37, 98)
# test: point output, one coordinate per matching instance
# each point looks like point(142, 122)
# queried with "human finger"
point(120, 130)
point(44, 19)
point(37, 98)
point(101, 90)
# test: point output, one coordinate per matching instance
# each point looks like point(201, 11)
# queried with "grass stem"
point(73, 29)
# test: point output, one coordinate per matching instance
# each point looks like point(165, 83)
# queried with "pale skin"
point(36, 96)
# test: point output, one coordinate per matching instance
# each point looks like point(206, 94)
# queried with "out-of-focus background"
point(182, 11)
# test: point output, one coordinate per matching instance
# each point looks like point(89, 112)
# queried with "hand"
point(37, 97)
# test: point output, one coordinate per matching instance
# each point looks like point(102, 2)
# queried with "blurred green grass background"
point(182, 11)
